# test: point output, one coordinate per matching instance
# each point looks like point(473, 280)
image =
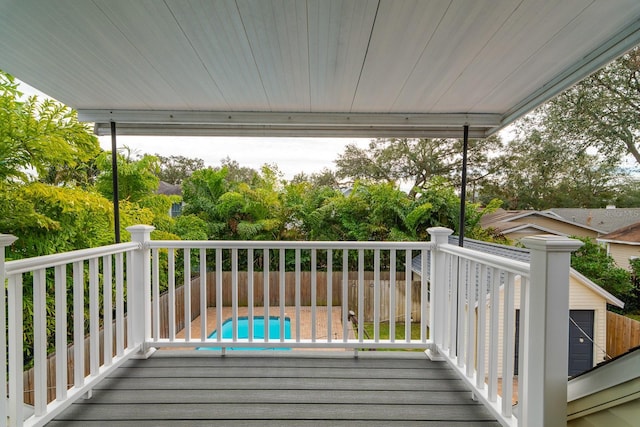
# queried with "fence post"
point(139, 273)
point(546, 332)
point(5, 240)
point(438, 294)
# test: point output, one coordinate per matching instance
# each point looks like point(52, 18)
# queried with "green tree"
point(44, 137)
point(137, 176)
point(236, 209)
point(438, 205)
point(190, 227)
point(325, 178)
point(237, 173)
point(49, 219)
point(415, 161)
point(535, 172)
point(175, 169)
point(593, 261)
point(601, 111)
point(629, 197)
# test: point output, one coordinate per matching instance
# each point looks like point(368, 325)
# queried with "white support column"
point(5, 240)
point(546, 332)
point(437, 302)
point(139, 302)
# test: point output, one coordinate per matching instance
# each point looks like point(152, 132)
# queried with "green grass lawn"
point(384, 332)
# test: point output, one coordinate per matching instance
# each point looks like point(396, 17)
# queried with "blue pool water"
point(257, 333)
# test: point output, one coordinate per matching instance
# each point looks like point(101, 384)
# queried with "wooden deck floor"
point(279, 389)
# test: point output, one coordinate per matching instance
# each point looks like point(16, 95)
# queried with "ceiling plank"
point(454, 45)
point(216, 33)
point(402, 32)
point(338, 37)
point(277, 34)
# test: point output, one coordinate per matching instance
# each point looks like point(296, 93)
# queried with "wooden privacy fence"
point(623, 334)
point(290, 287)
point(290, 296)
point(385, 300)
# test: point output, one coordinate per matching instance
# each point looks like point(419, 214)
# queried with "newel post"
point(139, 289)
point(546, 332)
point(7, 240)
point(438, 294)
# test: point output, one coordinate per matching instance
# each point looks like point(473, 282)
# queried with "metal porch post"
point(463, 185)
point(114, 171)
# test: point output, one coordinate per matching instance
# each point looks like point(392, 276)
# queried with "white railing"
point(280, 271)
point(54, 280)
point(474, 325)
point(459, 307)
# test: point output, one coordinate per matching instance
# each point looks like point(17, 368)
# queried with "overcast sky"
point(292, 155)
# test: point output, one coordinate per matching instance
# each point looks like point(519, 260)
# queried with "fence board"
point(623, 333)
point(385, 285)
point(274, 288)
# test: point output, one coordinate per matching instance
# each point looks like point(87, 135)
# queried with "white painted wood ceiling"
point(315, 67)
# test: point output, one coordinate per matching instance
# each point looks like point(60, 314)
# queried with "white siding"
point(621, 253)
point(580, 298)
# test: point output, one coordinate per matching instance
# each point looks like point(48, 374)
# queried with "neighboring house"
point(171, 190)
point(607, 220)
point(515, 225)
point(587, 305)
point(587, 322)
point(608, 395)
point(623, 244)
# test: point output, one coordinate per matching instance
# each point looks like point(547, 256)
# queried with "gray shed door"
point(580, 341)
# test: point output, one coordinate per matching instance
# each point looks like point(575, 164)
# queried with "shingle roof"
point(606, 220)
point(504, 221)
point(516, 254)
point(630, 234)
point(169, 189)
point(509, 252)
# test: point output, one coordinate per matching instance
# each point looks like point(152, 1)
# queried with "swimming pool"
point(257, 333)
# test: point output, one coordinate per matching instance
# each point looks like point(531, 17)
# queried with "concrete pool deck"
point(290, 312)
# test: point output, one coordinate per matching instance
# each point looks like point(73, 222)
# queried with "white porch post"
point(139, 286)
point(546, 332)
point(437, 302)
point(5, 240)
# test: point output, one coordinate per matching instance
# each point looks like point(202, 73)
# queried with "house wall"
point(621, 253)
point(561, 227)
point(580, 298)
point(516, 236)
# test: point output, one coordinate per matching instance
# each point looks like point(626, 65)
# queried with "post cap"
point(7, 239)
point(140, 232)
point(551, 243)
point(439, 231)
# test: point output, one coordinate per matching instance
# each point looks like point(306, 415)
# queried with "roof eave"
point(619, 242)
point(294, 124)
point(625, 40)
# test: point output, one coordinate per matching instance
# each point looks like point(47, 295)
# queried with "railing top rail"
point(267, 244)
point(513, 266)
point(46, 261)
